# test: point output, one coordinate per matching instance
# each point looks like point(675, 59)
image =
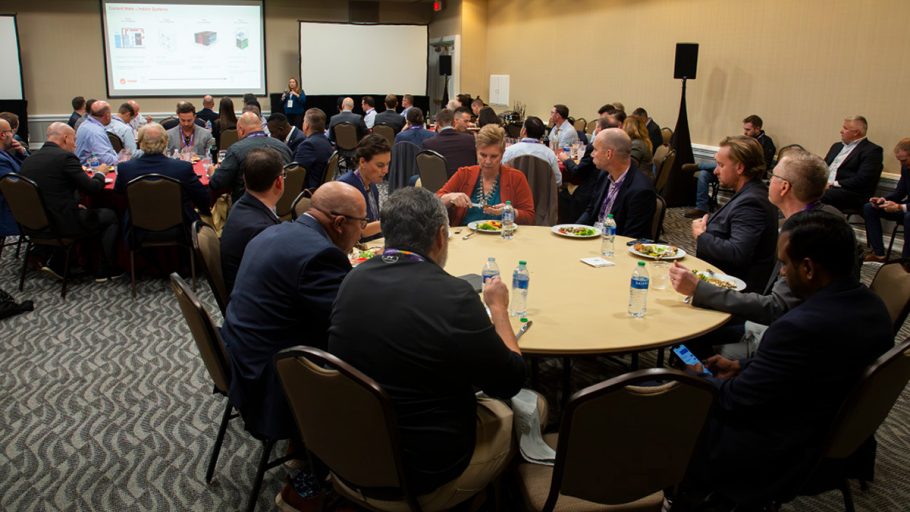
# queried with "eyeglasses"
point(363, 220)
point(778, 176)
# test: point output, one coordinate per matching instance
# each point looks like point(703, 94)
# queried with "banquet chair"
point(589, 129)
point(35, 226)
point(580, 124)
point(359, 442)
point(403, 164)
point(892, 284)
point(301, 204)
point(208, 250)
point(386, 132)
point(657, 222)
point(227, 138)
point(543, 188)
point(331, 169)
point(116, 142)
point(432, 169)
point(346, 141)
point(217, 363)
point(621, 443)
point(864, 410)
point(294, 180)
point(667, 135)
point(155, 206)
point(663, 172)
point(169, 122)
point(898, 228)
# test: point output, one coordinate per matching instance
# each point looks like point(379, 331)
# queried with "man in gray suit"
point(187, 135)
point(229, 176)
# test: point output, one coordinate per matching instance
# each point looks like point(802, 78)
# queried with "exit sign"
point(437, 5)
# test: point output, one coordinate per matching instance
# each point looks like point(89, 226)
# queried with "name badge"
point(290, 103)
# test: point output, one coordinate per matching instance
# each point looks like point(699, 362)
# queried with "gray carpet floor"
point(105, 405)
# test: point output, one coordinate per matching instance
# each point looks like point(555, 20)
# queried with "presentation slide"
point(187, 49)
point(11, 77)
point(341, 58)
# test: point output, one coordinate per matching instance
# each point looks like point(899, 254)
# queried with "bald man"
point(59, 176)
point(287, 282)
point(137, 121)
point(229, 176)
point(91, 139)
point(621, 190)
point(347, 116)
point(208, 114)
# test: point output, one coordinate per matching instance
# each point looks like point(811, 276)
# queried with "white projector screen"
point(11, 78)
point(341, 58)
point(161, 48)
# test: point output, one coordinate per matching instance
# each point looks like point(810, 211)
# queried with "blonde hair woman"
point(642, 152)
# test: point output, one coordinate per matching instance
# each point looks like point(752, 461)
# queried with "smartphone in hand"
point(689, 358)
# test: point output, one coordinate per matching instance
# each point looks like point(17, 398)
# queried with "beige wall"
point(802, 66)
point(62, 54)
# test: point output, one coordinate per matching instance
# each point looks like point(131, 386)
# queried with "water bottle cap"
point(509, 203)
point(523, 320)
point(490, 258)
point(522, 262)
point(641, 263)
point(610, 216)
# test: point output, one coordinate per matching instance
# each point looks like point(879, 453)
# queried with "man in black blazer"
point(388, 116)
point(228, 177)
point(458, 148)
point(774, 409)
point(891, 207)
point(347, 116)
point(740, 238)
point(59, 175)
point(280, 128)
point(657, 138)
point(314, 152)
point(583, 175)
point(207, 115)
point(621, 188)
point(263, 173)
point(856, 166)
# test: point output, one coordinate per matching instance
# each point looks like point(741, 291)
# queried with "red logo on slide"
point(122, 81)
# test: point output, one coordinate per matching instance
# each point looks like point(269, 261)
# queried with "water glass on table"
point(660, 275)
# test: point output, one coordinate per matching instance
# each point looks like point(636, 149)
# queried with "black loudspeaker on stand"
point(679, 189)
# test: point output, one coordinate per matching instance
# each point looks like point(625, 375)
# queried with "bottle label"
point(640, 282)
point(519, 283)
point(488, 274)
point(610, 230)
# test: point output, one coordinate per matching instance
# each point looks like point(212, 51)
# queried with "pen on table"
point(524, 329)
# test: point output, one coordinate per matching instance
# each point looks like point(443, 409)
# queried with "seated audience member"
point(91, 139)
point(654, 134)
point(563, 133)
point(856, 166)
point(88, 109)
point(78, 111)
point(373, 156)
point(415, 133)
point(462, 120)
point(346, 115)
point(476, 106)
point(368, 104)
point(207, 115)
point(120, 126)
point(621, 189)
point(10, 162)
point(227, 119)
point(407, 102)
point(454, 105)
point(20, 145)
point(619, 106)
point(797, 185)
point(188, 136)
point(283, 294)
point(740, 237)
point(457, 147)
point(138, 120)
point(388, 116)
point(583, 175)
point(774, 409)
point(490, 184)
point(532, 132)
point(891, 207)
point(263, 174)
point(229, 176)
point(254, 108)
point(281, 129)
point(153, 141)
point(434, 348)
point(642, 151)
point(59, 175)
point(488, 116)
point(314, 152)
point(752, 127)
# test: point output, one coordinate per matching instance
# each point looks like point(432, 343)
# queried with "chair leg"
point(193, 267)
point(216, 450)
point(848, 496)
point(660, 358)
point(28, 250)
point(19, 245)
point(66, 269)
point(267, 446)
point(633, 361)
point(891, 243)
point(133, 271)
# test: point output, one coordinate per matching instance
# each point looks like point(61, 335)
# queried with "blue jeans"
point(705, 177)
point(874, 218)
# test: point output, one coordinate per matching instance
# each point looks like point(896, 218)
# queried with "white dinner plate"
point(473, 227)
point(557, 230)
point(738, 284)
point(680, 254)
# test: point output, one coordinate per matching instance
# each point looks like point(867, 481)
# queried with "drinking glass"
point(660, 274)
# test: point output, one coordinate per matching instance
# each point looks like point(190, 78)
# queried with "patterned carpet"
point(105, 405)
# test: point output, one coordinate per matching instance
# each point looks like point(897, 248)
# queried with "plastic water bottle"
point(520, 279)
point(208, 125)
point(638, 293)
point(490, 269)
point(508, 221)
point(609, 236)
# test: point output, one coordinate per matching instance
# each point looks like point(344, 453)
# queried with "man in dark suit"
point(891, 207)
point(207, 114)
point(10, 161)
point(657, 138)
point(287, 281)
point(856, 166)
point(458, 148)
point(314, 152)
point(388, 116)
point(774, 409)
point(228, 176)
point(281, 129)
point(740, 237)
point(347, 116)
point(415, 133)
point(583, 175)
point(59, 175)
point(622, 190)
point(78, 111)
point(263, 174)
point(153, 141)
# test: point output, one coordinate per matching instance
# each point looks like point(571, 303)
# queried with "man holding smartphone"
point(891, 207)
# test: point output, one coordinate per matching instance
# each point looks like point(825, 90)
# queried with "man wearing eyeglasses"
point(287, 281)
point(9, 162)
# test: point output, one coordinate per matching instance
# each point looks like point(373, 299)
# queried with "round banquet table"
point(578, 309)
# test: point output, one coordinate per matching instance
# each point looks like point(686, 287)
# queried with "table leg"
point(566, 380)
point(634, 364)
point(660, 358)
point(535, 372)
